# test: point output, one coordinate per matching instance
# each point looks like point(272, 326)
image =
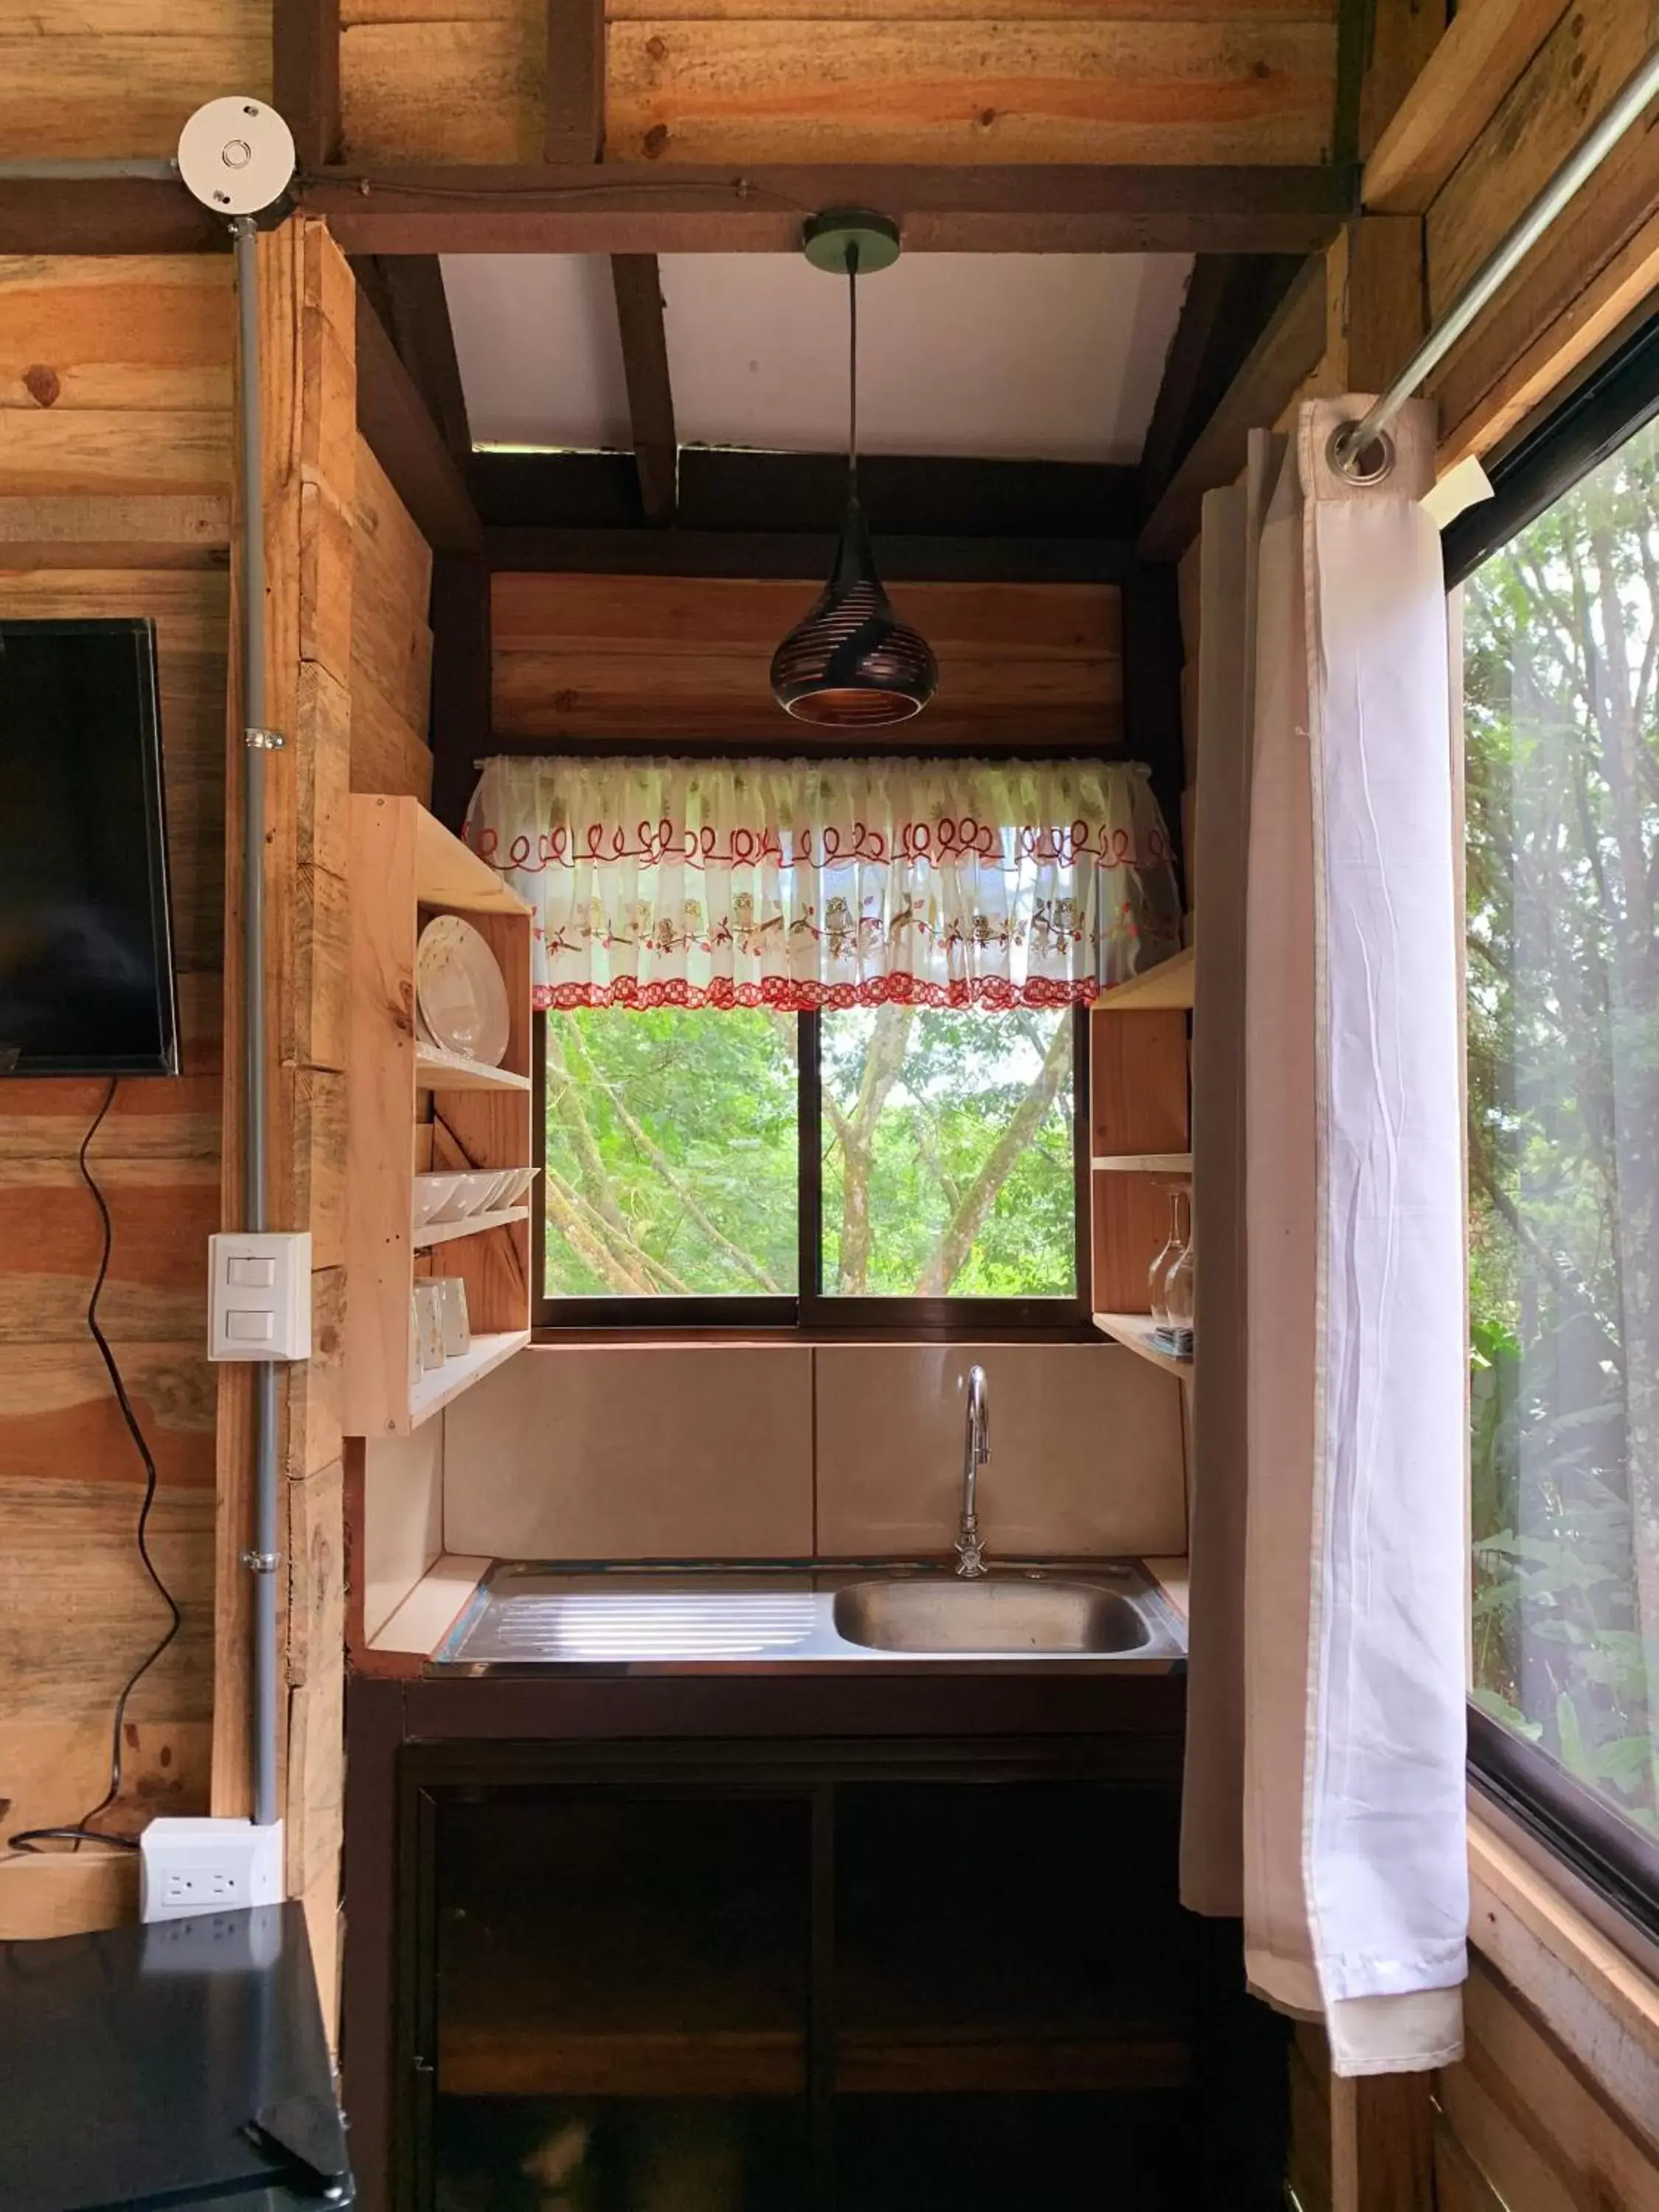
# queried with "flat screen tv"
point(86, 938)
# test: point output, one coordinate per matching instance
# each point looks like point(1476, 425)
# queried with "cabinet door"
point(622, 2000)
point(1013, 1997)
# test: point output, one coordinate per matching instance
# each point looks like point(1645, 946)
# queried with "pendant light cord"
point(853, 369)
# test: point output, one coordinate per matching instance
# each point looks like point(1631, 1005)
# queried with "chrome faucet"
point(969, 1550)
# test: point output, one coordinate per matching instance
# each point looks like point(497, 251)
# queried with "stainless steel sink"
point(525, 1617)
point(1003, 1613)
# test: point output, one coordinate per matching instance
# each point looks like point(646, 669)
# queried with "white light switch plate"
point(260, 1307)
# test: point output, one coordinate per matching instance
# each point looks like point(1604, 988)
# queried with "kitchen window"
point(1560, 610)
point(896, 1166)
point(814, 1030)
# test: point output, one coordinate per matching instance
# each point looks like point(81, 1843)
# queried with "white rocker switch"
point(261, 1297)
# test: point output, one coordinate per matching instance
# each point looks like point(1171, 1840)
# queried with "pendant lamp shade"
point(851, 664)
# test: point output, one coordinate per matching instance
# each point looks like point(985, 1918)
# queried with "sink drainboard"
point(523, 1627)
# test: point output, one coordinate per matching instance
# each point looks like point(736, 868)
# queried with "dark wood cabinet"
point(791, 1979)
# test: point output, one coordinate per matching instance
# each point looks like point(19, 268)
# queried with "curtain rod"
point(1350, 442)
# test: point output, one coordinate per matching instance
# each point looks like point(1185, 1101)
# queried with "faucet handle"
point(971, 1554)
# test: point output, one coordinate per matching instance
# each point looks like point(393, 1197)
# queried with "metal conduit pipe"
point(49, 172)
point(1349, 446)
point(264, 1558)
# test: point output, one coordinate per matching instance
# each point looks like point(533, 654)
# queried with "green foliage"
point(671, 1151)
point(1563, 864)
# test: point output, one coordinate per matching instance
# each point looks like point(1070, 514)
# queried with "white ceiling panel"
point(1028, 357)
point(1031, 357)
point(536, 338)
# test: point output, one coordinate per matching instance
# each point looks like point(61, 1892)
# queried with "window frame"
point(811, 1311)
point(1607, 408)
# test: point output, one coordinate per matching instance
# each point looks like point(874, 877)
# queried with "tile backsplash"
point(755, 1451)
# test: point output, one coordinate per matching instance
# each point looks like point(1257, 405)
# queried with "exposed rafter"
point(806, 554)
point(305, 57)
point(1228, 304)
point(575, 126)
point(1287, 349)
point(407, 292)
point(393, 416)
point(637, 281)
point(665, 208)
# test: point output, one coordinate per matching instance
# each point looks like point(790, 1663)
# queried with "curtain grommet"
point(1365, 464)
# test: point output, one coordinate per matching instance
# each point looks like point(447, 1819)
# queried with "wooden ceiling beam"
point(667, 208)
point(407, 293)
point(304, 69)
point(804, 494)
point(1464, 82)
point(1228, 304)
point(105, 215)
point(1289, 348)
point(636, 280)
point(807, 555)
point(573, 129)
point(393, 417)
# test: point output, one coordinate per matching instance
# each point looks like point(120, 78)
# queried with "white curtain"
point(806, 884)
point(1336, 1547)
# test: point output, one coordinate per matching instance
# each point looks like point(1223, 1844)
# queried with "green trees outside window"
point(1561, 731)
point(945, 1138)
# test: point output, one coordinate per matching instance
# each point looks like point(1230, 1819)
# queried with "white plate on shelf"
point(432, 1192)
point(458, 987)
point(519, 1181)
point(472, 1193)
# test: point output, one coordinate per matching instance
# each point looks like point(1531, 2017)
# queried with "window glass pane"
point(947, 1153)
point(1563, 1128)
point(671, 1156)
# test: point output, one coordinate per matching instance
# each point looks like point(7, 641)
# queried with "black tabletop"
point(179, 2062)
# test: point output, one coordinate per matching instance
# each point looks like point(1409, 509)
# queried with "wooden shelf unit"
point(1138, 1134)
point(1134, 1333)
point(1169, 985)
point(406, 867)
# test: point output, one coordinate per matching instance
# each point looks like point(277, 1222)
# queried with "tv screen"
point(86, 942)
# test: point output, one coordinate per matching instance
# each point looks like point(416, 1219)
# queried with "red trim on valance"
point(946, 841)
point(792, 995)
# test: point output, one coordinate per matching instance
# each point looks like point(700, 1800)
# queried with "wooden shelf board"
point(1175, 1164)
point(523, 2058)
point(989, 2063)
point(437, 1387)
point(437, 1070)
point(1168, 985)
point(449, 873)
point(1134, 1333)
point(472, 1225)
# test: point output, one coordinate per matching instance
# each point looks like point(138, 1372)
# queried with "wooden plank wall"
point(1599, 265)
point(391, 640)
point(115, 459)
point(1518, 2126)
point(110, 78)
point(652, 659)
point(790, 80)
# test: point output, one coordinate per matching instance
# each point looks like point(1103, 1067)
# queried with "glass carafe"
point(1178, 1288)
point(1157, 1274)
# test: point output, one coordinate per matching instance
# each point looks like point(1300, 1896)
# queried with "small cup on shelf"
point(457, 1332)
point(428, 1306)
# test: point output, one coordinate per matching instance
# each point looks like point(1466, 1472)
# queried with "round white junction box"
point(236, 156)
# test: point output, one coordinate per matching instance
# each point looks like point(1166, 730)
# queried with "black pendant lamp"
point(851, 664)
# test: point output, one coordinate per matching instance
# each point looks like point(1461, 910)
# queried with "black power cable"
point(31, 1839)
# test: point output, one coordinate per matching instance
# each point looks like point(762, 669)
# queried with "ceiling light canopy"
point(851, 663)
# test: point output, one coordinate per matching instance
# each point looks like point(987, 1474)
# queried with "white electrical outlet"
point(191, 1866)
